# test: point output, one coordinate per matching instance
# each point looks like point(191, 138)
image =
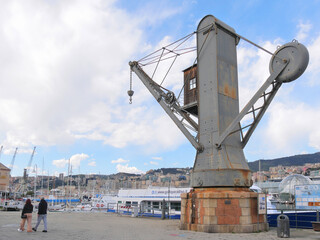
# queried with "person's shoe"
point(19, 230)
point(34, 229)
point(44, 231)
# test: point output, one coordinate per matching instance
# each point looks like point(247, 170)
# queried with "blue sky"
point(64, 76)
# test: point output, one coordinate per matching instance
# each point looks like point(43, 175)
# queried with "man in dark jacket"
point(42, 214)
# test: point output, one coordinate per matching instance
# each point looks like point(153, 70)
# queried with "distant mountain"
point(166, 171)
point(297, 160)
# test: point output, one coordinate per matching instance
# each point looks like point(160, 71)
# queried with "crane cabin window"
point(193, 84)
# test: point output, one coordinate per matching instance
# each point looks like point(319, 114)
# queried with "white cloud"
point(253, 68)
point(120, 160)
point(92, 164)
point(127, 169)
point(145, 122)
point(154, 163)
point(157, 158)
point(289, 123)
point(65, 63)
point(303, 31)
point(23, 148)
point(314, 63)
point(291, 126)
point(58, 60)
point(75, 161)
point(60, 163)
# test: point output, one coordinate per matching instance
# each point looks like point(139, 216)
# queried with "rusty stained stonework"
point(221, 210)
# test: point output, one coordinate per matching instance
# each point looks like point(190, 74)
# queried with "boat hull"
point(296, 219)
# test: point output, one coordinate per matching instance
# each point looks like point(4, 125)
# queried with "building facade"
point(4, 177)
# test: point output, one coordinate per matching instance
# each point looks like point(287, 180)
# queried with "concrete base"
point(221, 210)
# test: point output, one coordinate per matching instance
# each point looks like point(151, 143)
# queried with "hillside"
point(166, 171)
point(297, 160)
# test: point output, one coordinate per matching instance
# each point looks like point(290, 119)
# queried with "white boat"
point(149, 201)
point(104, 202)
point(84, 206)
point(56, 208)
point(11, 205)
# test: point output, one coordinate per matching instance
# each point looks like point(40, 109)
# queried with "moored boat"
point(12, 205)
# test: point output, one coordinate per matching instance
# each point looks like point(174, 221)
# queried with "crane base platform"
point(221, 210)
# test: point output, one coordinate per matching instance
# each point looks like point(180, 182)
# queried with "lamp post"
point(35, 170)
point(48, 183)
point(5, 195)
point(42, 176)
point(169, 205)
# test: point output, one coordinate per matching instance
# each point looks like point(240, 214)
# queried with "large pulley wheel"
point(298, 57)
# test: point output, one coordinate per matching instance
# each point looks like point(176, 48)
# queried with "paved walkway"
point(83, 226)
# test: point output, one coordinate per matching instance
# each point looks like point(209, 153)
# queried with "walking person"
point(26, 215)
point(42, 214)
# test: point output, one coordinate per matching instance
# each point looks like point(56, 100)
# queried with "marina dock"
point(100, 225)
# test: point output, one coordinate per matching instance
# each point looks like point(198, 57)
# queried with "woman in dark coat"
point(26, 215)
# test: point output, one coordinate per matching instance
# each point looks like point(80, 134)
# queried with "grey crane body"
point(220, 161)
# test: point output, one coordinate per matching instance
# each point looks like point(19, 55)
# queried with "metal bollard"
point(163, 212)
point(283, 226)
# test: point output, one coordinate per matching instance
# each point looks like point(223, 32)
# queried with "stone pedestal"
point(221, 210)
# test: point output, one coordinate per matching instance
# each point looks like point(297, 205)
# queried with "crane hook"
point(130, 92)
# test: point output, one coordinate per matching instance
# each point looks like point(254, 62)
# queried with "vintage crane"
point(220, 173)
point(30, 161)
point(13, 159)
point(26, 171)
